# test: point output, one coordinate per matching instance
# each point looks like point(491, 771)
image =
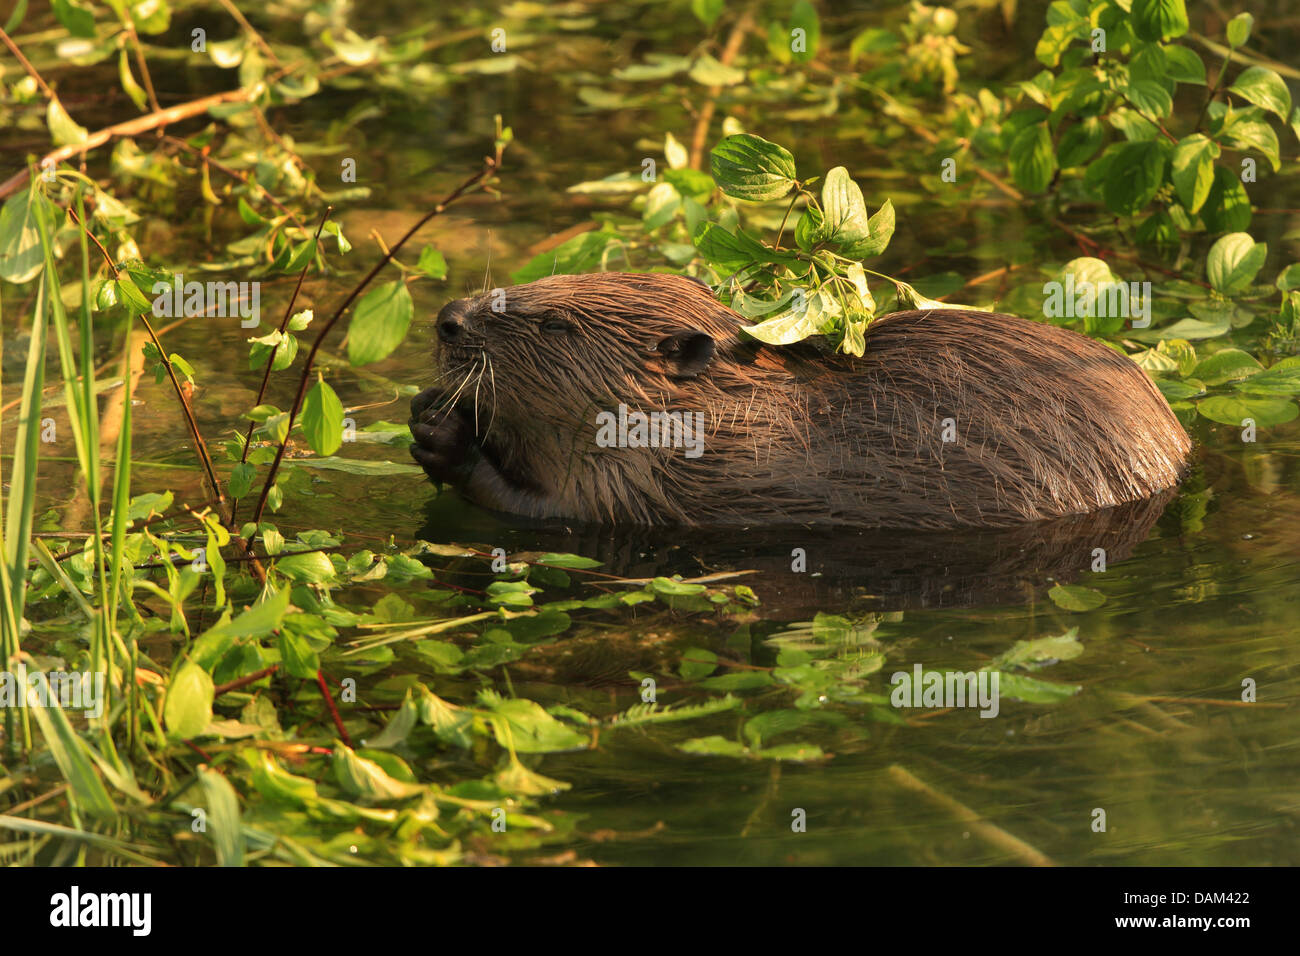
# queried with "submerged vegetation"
point(279, 685)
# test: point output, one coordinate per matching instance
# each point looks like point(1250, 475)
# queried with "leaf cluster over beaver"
point(952, 417)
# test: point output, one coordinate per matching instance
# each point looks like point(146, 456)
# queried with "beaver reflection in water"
point(951, 417)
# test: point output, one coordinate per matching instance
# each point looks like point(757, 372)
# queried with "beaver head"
point(559, 349)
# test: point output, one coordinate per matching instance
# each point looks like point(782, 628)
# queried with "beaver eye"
point(555, 326)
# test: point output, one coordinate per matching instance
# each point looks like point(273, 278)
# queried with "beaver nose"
point(453, 322)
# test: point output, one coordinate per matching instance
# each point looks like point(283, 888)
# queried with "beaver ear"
point(687, 354)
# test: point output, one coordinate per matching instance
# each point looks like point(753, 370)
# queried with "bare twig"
point(270, 361)
point(26, 65)
point(133, 127)
point(138, 49)
point(248, 28)
point(700, 134)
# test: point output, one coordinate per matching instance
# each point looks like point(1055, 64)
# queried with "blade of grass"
point(73, 758)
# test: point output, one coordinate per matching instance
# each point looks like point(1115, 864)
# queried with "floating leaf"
point(1076, 597)
point(1235, 409)
point(322, 419)
point(1233, 263)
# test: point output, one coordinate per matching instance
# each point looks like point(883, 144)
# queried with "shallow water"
point(1158, 737)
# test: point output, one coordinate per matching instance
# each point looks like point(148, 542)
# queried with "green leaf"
point(259, 350)
point(1227, 209)
point(1032, 690)
point(311, 567)
point(129, 85)
point(748, 167)
point(355, 466)
point(791, 325)
point(697, 662)
point(241, 479)
point(379, 323)
point(1239, 29)
point(1235, 409)
point(368, 780)
point(76, 16)
point(659, 67)
point(661, 205)
point(567, 560)
point(709, 71)
point(1184, 65)
point(1227, 365)
point(130, 295)
point(707, 11)
point(1193, 169)
point(843, 209)
point(1283, 378)
point(523, 726)
point(334, 229)
point(432, 263)
point(804, 17)
point(1150, 98)
point(302, 254)
point(1080, 142)
point(1175, 391)
point(1076, 597)
point(150, 16)
point(322, 419)
point(1158, 19)
point(1189, 329)
point(1134, 177)
point(63, 130)
point(21, 254)
point(1032, 158)
point(1250, 130)
point(1289, 278)
point(74, 759)
point(713, 746)
point(1233, 262)
point(1264, 88)
point(881, 229)
point(188, 708)
point(300, 660)
point(689, 182)
point(582, 253)
point(258, 621)
point(224, 824)
point(730, 251)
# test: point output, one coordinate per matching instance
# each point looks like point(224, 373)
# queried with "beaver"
point(552, 400)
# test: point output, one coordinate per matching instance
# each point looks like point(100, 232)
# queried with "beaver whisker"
point(478, 381)
point(451, 402)
point(492, 391)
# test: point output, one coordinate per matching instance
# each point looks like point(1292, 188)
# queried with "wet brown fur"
point(1048, 422)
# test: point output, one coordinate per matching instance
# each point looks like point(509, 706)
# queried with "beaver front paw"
point(443, 437)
